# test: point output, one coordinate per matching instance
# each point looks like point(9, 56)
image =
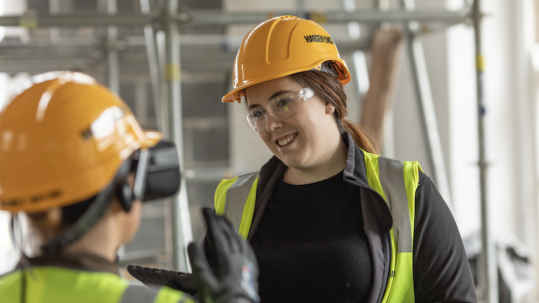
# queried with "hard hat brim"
point(232, 96)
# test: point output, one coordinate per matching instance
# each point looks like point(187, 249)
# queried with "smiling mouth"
point(286, 140)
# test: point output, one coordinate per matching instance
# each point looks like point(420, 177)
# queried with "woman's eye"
point(283, 101)
point(257, 114)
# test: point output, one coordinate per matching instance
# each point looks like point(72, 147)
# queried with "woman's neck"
point(327, 169)
point(101, 240)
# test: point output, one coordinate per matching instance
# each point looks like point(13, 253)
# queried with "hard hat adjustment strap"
point(329, 67)
point(337, 67)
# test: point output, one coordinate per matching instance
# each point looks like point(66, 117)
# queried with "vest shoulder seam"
point(248, 174)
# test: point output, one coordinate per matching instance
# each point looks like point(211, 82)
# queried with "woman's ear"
point(330, 108)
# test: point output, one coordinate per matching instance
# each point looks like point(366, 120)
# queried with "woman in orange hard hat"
point(75, 162)
point(329, 219)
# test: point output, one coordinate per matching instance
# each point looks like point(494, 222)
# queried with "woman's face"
point(306, 138)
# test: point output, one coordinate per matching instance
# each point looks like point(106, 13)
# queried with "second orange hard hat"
point(62, 140)
point(280, 47)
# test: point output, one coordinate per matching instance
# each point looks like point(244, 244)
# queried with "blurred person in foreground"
point(76, 164)
point(328, 218)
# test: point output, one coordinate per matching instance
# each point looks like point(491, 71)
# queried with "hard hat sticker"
point(11, 202)
point(318, 38)
point(105, 124)
point(36, 198)
point(45, 196)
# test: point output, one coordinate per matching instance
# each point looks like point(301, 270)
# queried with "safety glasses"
point(282, 107)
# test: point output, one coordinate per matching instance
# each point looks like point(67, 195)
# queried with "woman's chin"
point(293, 161)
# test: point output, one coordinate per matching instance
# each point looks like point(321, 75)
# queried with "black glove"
point(234, 277)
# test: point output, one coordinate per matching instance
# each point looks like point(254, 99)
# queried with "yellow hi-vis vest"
point(44, 284)
point(394, 180)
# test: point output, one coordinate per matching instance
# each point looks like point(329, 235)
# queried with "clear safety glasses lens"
point(281, 108)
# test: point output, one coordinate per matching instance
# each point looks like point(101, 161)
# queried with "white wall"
point(8, 256)
point(11, 7)
point(6, 249)
point(4, 78)
point(511, 121)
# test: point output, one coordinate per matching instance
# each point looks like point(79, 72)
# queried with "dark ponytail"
point(331, 91)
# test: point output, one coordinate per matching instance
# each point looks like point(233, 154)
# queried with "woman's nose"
point(272, 122)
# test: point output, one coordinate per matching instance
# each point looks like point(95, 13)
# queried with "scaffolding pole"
point(426, 105)
point(488, 279)
point(113, 68)
point(113, 65)
point(181, 223)
point(217, 18)
point(153, 66)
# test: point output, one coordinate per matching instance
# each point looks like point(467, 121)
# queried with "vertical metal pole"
point(160, 41)
point(113, 67)
point(55, 7)
point(389, 125)
point(156, 64)
point(113, 63)
point(181, 222)
point(358, 57)
point(153, 65)
point(489, 277)
point(426, 105)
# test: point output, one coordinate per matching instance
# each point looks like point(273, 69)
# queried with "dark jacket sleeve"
point(441, 269)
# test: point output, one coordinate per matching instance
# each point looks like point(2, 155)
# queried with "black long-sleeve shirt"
point(310, 244)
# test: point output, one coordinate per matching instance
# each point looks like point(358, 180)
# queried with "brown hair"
point(46, 224)
point(331, 91)
point(49, 224)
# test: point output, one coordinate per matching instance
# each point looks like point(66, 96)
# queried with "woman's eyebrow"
point(277, 94)
point(252, 106)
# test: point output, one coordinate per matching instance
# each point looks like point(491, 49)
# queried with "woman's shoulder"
point(423, 177)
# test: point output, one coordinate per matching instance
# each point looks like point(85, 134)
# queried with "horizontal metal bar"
point(75, 20)
point(195, 43)
point(369, 16)
point(220, 18)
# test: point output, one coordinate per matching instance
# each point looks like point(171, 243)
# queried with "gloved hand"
point(234, 278)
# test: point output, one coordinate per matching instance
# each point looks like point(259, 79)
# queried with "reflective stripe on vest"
point(235, 199)
point(394, 180)
point(139, 294)
point(143, 294)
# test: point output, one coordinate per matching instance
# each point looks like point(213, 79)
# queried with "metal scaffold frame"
point(164, 65)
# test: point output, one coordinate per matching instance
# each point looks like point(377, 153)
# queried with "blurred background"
point(414, 85)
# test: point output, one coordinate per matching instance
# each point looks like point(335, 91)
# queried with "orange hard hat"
point(62, 141)
point(280, 47)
